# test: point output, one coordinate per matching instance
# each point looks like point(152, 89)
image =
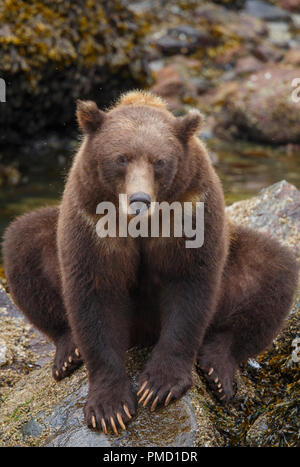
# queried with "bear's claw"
point(120, 420)
point(148, 393)
point(67, 358)
point(146, 396)
point(104, 427)
point(126, 410)
point(168, 398)
point(142, 387)
point(113, 425)
point(215, 384)
point(154, 404)
point(103, 416)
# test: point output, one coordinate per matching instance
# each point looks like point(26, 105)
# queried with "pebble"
point(254, 364)
point(3, 352)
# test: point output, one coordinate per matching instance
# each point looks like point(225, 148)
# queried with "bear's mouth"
point(139, 203)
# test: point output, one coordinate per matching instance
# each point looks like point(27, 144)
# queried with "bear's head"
point(138, 148)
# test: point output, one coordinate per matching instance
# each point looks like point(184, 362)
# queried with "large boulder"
point(54, 52)
point(263, 108)
point(263, 10)
point(276, 210)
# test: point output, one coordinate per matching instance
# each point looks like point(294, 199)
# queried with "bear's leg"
point(31, 269)
point(97, 276)
point(184, 313)
point(259, 282)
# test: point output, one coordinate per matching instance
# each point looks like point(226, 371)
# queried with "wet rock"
point(254, 364)
point(292, 57)
point(229, 23)
point(256, 434)
point(42, 412)
point(296, 22)
point(232, 4)
point(248, 65)
point(247, 28)
point(170, 86)
point(228, 57)
point(176, 82)
point(266, 52)
point(222, 93)
point(176, 427)
point(32, 429)
point(3, 352)
point(26, 342)
point(39, 411)
point(265, 11)
point(277, 382)
point(183, 39)
point(291, 5)
point(22, 349)
point(275, 210)
point(9, 175)
point(273, 417)
point(279, 34)
point(6, 305)
point(263, 108)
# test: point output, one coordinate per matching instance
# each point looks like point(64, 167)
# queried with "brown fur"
point(141, 98)
point(217, 305)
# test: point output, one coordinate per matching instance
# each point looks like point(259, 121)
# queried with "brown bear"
point(95, 297)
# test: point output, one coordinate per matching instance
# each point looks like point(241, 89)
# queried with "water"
point(246, 168)
point(243, 168)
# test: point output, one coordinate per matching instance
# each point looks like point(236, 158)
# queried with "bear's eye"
point(122, 160)
point(159, 164)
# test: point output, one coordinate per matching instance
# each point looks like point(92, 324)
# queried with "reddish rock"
point(247, 65)
point(292, 57)
point(262, 108)
point(267, 53)
point(222, 93)
point(175, 84)
point(291, 5)
point(231, 55)
point(230, 23)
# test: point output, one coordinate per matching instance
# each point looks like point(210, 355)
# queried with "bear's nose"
point(139, 202)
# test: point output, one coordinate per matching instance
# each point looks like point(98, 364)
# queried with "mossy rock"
point(42, 412)
point(53, 52)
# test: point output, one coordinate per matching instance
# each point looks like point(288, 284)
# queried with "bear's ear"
point(187, 126)
point(89, 117)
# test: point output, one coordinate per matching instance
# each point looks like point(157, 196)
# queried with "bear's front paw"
point(159, 384)
point(109, 407)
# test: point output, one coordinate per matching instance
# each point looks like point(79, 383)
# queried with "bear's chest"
point(168, 255)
